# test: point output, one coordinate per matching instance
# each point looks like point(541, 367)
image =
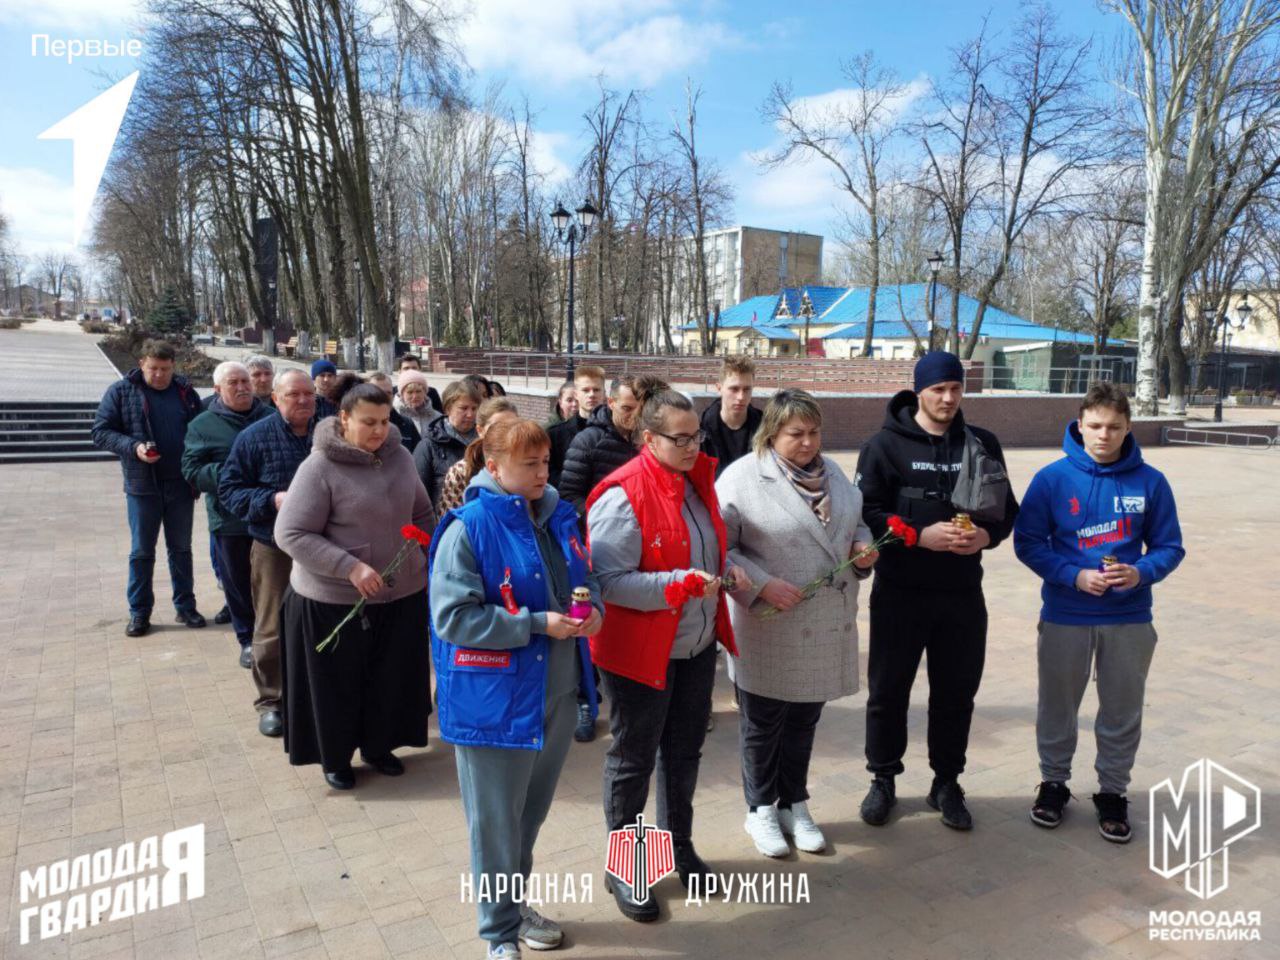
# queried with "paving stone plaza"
point(106, 740)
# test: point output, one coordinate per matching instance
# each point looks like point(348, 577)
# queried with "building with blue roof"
point(1014, 348)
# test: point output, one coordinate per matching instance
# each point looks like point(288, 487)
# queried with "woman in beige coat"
point(791, 516)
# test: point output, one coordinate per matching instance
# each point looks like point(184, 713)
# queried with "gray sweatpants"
point(506, 795)
point(1122, 655)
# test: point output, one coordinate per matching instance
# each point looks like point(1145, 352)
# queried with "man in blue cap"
point(928, 598)
point(324, 374)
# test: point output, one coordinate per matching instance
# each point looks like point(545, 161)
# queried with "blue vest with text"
point(496, 698)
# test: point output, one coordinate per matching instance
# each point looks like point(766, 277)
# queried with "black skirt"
point(370, 690)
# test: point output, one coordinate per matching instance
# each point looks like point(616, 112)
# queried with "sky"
point(552, 51)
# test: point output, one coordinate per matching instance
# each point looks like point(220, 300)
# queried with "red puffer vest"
point(637, 643)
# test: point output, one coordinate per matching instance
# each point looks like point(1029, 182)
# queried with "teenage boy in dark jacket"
point(928, 598)
point(730, 421)
point(606, 442)
point(1084, 522)
point(588, 389)
point(143, 419)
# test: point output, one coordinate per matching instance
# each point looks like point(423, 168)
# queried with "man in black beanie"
point(928, 598)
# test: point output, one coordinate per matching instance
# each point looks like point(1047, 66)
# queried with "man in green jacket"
point(209, 439)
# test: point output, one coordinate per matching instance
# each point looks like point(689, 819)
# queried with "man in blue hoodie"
point(1083, 526)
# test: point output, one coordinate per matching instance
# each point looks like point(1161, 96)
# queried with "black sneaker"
point(1113, 817)
point(947, 796)
point(190, 618)
point(138, 625)
point(1051, 798)
point(879, 801)
point(585, 731)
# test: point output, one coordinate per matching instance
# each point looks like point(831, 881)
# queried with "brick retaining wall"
point(1026, 420)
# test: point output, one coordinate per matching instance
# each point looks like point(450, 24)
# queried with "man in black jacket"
point(606, 442)
point(928, 598)
point(731, 421)
point(143, 419)
point(588, 388)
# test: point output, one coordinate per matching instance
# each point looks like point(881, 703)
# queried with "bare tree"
point(852, 137)
point(1201, 68)
point(1044, 140)
point(707, 194)
point(1104, 245)
point(957, 179)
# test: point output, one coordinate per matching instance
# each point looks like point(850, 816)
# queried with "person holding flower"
point(791, 515)
point(504, 569)
point(659, 548)
point(341, 523)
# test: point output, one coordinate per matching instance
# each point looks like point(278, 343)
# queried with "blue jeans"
point(172, 508)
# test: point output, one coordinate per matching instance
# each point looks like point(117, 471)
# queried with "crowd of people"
point(372, 537)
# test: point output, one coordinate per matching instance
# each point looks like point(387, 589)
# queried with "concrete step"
point(66, 445)
point(35, 433)
point(37, 455)
point(80, 415)
point(44, 426)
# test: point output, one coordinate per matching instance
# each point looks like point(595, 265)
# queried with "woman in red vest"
point(652, 524)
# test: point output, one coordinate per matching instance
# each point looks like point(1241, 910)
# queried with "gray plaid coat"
point(809, 653)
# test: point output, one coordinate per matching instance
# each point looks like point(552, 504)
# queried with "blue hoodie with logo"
point(1078, 511)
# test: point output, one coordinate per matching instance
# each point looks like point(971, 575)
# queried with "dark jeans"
point(952, 628)
point(777, 742)
point(172, 508)
point(665, 728)
point(232, 554)
point(213, 559)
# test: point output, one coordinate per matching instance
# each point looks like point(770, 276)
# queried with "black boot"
point(688, 862)
point(646, 912)
point(947, 796)
point(879, 801)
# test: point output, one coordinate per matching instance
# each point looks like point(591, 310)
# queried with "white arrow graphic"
point(92, 130)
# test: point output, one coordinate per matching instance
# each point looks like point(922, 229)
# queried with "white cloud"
point(822, 107)
point(799, 195)
point(39, 208)
point(548, 150)
point(77, 19)
point(803, 193)
point(568, 41)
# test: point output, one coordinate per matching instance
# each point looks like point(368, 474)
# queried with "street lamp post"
point(560, 217)
point(1242, 312)
point(935, 265)
point(359, 319)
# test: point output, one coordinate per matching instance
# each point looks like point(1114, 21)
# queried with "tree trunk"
point(873, 251)
point(1147, 388)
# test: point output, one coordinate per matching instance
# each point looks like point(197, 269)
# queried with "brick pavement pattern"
point(105, 739)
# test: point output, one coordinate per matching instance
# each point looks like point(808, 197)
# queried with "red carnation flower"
point(694, 585)
point(909, 536)
point(675, 594)
point(410, 532)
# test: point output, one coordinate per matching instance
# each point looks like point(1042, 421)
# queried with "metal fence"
point(1217, 438)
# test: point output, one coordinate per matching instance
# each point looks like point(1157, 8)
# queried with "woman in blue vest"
point(502, 571)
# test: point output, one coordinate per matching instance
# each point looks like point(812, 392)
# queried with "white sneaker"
point(797, 824)
point(503, 951)
point(537, 932)
point(763, 828)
